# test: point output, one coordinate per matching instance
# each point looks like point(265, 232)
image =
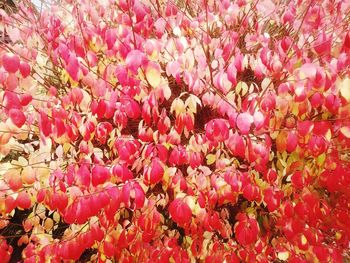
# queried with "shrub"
point(210, 131)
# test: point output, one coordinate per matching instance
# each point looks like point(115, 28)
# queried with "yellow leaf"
point(191, 104)
point(166, 91)
point(153, 75)
point(345, 131)
point(303, 240)
point(86, 101)
point(329, 135)
point(66, 147)
point(244, 88)
point(56, 217)
point(178, 106)
point(48, 224)
point(166, 179)
point(344, 88)
point(211, 158)
point(338, 235)
point(28, 175)
point(321, 158)
point(283, 255)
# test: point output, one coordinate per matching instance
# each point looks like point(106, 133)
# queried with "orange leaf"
point(281, 141)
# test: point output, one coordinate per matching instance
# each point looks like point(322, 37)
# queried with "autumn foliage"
point(187, 131)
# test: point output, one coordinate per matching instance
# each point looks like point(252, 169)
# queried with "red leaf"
point(11, 100)
point(272, 198)
point(246, 230)
point(59, 201)
point(178, 156)
point(154, 173)
point(23, 200)
point(103, 130)
point(24, 68)
point(346, 44)
point(304, 127)
point(25, 99)
point(271, 176)
point(83, 176)
point(10, 203)
point(298, 180)
point(292, 141)
point(59, 127)
point(217, 130)
point(138, 195)
point(236, 145)
point(180, 212)
point(10, 62)
point(323, 44)
point(100, 174)
point(17, 117)
point(132, 108)
point(122, 171)
point(268, 103)
point(163, 124)
point(45, 124)
point(317, 100)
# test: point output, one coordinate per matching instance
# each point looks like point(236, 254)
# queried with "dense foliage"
point(160, 131)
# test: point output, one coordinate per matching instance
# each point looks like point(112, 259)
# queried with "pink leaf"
point(134, 60)
point(111, 37)
point(73, 67)
point(323, 44)
point(139, 11)
point(173, 68)
point(244, 121)
point(308, 70)
point(232, 73)
point(258, 120)
point(11, 81)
